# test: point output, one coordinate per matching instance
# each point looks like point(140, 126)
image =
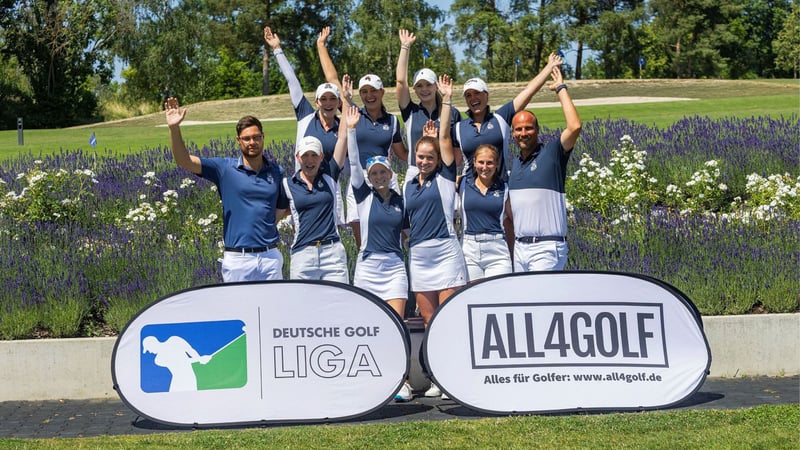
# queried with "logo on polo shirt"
point(533, 166)
point(193, 356)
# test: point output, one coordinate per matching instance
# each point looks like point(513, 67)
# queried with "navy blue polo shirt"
point(495, 130)
point(482, 213)
point(537, 191)
point(309, 124)
point(415, 116)
point(382, 231)
point(249, 200)
point(429, 206)
point(376, 138)
point(313, 211)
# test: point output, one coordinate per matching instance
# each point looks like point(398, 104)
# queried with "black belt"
point(250, 249)
point(321, 243)
point(535, 239)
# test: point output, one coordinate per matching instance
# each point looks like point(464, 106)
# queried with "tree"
point(15, 92)
point(579, 23)
point(374, 45)
point(611, 29)
point(479, 25)
point(692, 32)
point(59, 47)
point(167, 51)
point(616, 38)
point(787, 44)
point(532, 34)
point(761, 21)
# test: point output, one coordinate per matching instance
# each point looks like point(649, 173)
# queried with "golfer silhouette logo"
point(196, 356)
point(177, 356)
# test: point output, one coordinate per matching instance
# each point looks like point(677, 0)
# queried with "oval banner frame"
point(261, 352)
point(567, 341)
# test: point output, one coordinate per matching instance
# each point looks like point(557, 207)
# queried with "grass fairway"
point(712, 98)
point(767, 427)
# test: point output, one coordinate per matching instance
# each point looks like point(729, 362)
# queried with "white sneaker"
point(404, 394)
point(433, 391)
point(445, 396)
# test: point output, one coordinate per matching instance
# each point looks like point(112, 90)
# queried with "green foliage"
point(57, 57)
point(787, 43)
point(18, 321)
point(59, 46)
point(480, 26)
point(374, 45)
point(15, 92)
point(231, 78)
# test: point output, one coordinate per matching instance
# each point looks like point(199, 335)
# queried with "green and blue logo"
point(193, 356)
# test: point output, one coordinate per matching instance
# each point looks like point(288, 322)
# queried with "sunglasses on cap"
point(377, 159)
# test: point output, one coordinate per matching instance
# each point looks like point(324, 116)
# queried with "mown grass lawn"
point(765, 427)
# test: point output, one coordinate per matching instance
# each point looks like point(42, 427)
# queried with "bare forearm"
point(523, 98)
point(570, 134)
point(181, 154)
point(328, 68)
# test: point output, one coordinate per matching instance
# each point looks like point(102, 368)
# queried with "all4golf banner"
point(567, 341)
point(301, 351)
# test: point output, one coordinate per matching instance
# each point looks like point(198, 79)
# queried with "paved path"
point(80, 418)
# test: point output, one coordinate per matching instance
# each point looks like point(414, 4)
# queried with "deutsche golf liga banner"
point(567, 341)
point(276, 351)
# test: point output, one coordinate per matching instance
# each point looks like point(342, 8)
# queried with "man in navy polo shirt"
point(252, 198)
point(536, 187)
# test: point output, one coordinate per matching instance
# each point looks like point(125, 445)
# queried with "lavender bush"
point(710, 206)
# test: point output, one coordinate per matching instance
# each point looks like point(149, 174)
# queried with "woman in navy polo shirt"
point(436, 263)
point(322, 122)
point(484, 198)
point(378, 132)
point(484, 126)
point(416, 115)
point(380, 267)
point(317, 252)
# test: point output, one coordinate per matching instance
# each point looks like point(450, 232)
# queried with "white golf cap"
point(425, 74)
point(308, 144)
point(326, 87)
point(476, 84)
point(370, 80)
point(382, 160)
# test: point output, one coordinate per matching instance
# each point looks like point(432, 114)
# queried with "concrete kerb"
point(56, 369)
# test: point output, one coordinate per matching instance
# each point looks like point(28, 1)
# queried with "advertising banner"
point(567, 341)
point(273, 351)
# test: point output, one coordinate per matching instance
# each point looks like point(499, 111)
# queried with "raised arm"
point(352, 116)
point(295, 90)
point(524, 97)
point(570, 134)
point(341, 149)
point(331, 76)
point(445, 142)
point(401, 73)
point(175, 116)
